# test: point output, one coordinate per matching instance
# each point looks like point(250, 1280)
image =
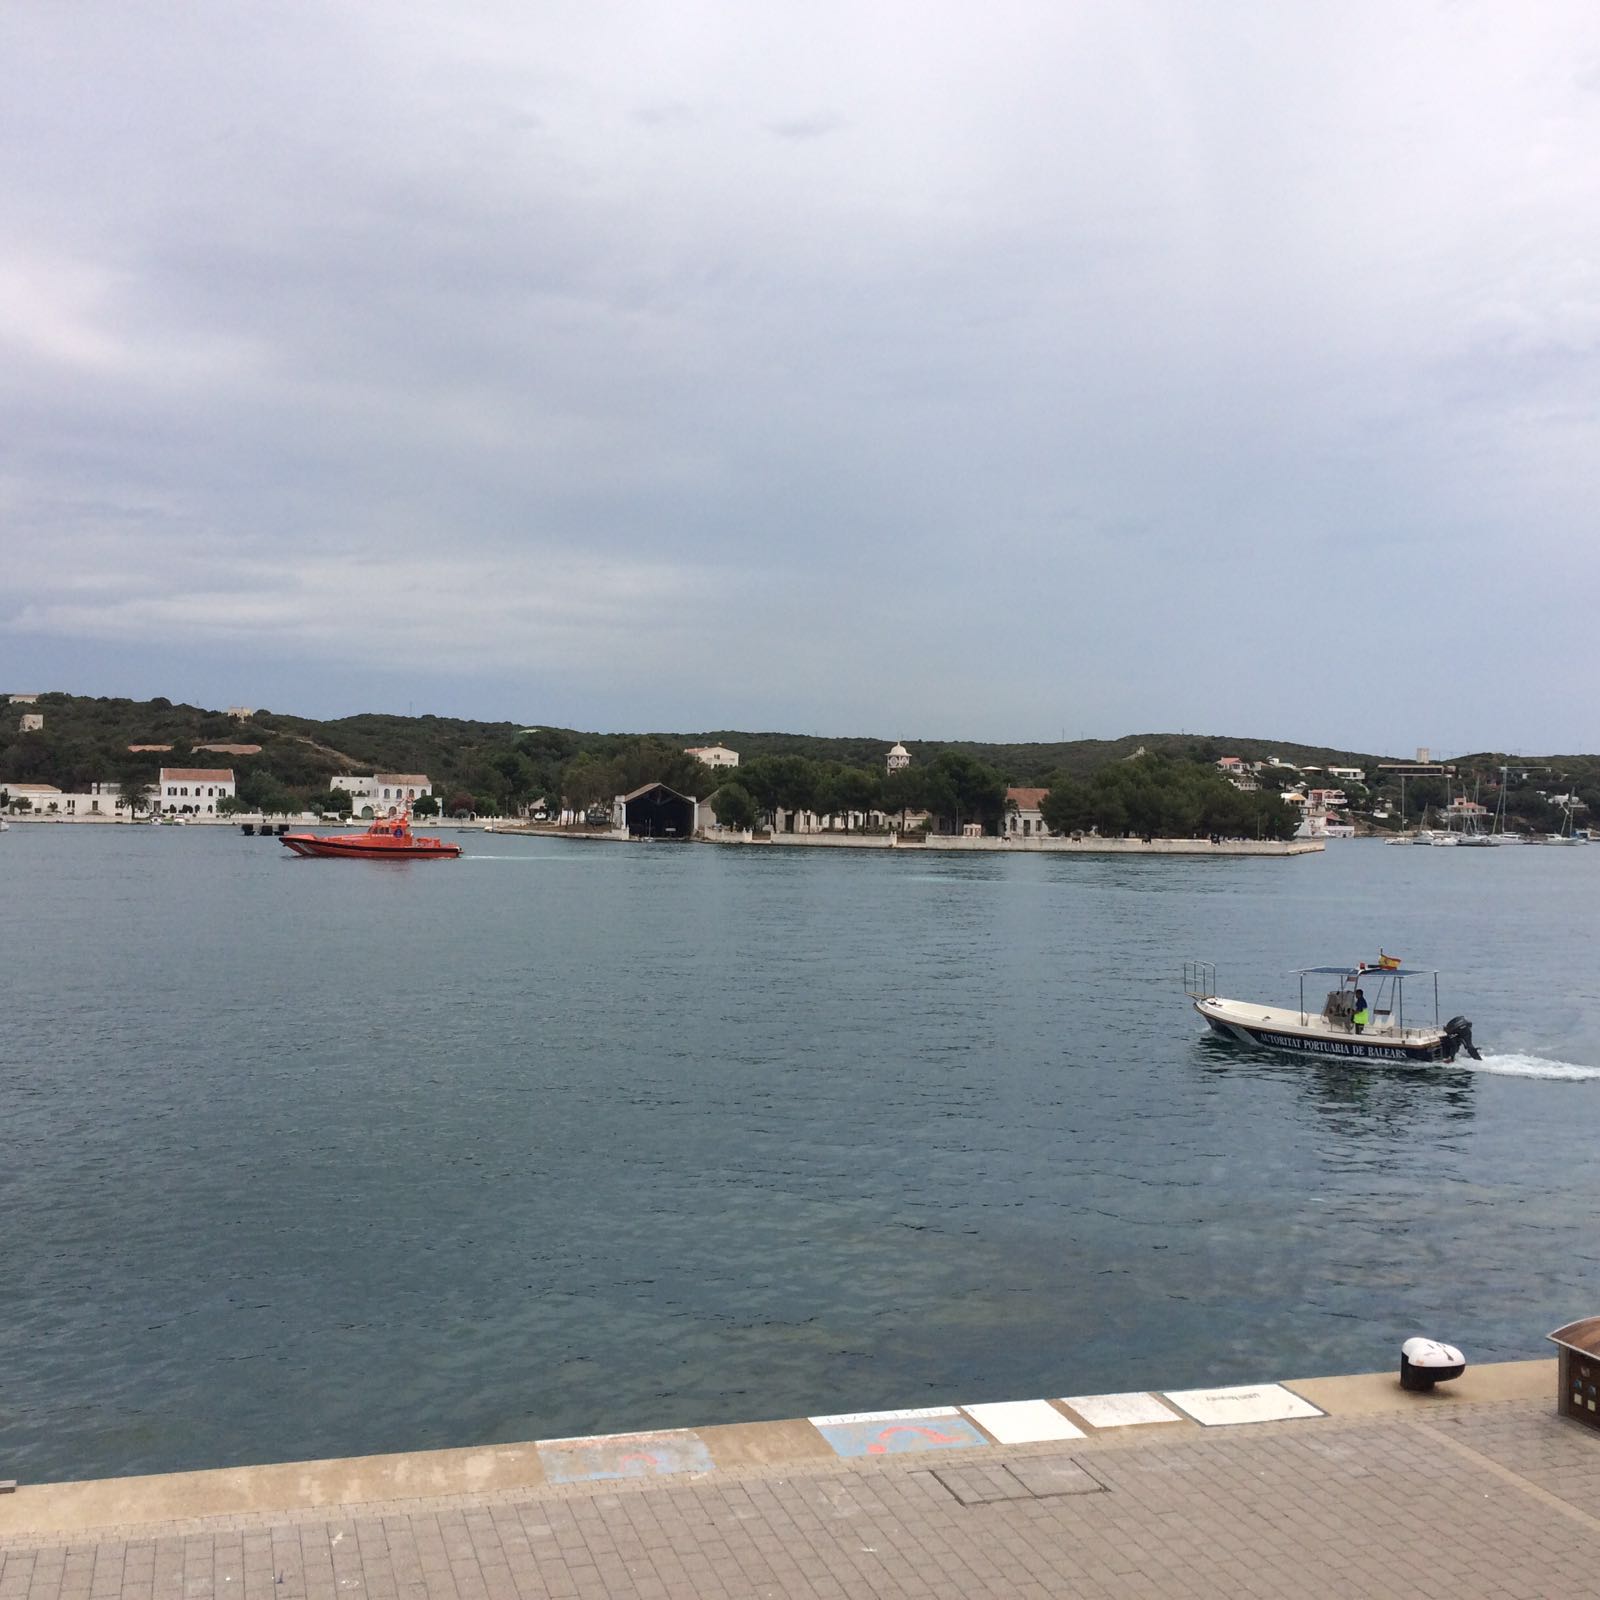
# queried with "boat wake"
point(478, 855)
point(1518, 1065)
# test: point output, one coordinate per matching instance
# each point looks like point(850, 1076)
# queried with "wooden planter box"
point(1579, 1383)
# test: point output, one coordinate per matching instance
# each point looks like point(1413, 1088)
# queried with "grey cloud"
point(1096, 342)
point(817, 127)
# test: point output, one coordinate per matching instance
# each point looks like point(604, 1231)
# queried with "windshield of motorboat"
point(1383, 989)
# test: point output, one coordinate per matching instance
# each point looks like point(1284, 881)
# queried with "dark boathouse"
point(657, 812)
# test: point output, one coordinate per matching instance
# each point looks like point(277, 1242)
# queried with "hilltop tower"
point(898, 759)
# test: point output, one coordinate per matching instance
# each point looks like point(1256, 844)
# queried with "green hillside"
point(500, 766)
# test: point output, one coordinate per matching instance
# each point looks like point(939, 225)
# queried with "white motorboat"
point(1333, 1028)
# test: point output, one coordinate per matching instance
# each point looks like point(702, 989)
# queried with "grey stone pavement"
point(1498, 1500)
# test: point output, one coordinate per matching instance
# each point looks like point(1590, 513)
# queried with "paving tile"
point(1022, 1421)
point(1222, 1408)
point(623, 1455)
point(981, 1485)
point(898, 1433)
point(1052, 1475)
point(1129, 1410)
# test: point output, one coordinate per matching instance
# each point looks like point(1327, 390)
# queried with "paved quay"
point(1359, 1489)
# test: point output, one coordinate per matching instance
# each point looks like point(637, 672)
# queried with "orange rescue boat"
point(388, 839)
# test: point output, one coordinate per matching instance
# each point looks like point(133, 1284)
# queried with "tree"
point(848, 789)
point(903, 791)
point(734, 806)
point(1068, 807)
point(585, 781)
point(653, 760)
point(460, 804)
point(133, 789)
point(788, 783)
point(967, 789)
point(427, 806)
point(1156, 796)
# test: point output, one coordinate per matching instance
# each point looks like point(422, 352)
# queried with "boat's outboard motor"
point(1458, 1036)
point(1425, 1362)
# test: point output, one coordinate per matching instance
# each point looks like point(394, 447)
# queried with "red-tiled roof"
point(149, 747)
point(197, 774)
point(1027, 799)
point(406, 780)
point(229, 749)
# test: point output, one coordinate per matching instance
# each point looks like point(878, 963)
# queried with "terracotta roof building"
point(195, 790)
point(1022, 818)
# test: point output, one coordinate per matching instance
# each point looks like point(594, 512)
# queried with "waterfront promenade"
point(1476, 1490)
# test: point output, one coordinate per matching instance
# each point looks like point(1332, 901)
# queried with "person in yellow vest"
point(1361, 1016)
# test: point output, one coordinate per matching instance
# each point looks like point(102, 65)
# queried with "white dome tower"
point(898, 759)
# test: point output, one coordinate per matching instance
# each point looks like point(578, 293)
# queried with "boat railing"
point(1200, 980)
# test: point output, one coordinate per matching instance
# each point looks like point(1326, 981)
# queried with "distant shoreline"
point(1089, 845)
point(986, 845)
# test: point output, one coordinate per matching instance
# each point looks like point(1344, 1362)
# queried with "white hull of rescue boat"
point(1279, 1028)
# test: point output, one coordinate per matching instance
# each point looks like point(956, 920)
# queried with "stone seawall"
point(1088, 846)
point(1084, 846)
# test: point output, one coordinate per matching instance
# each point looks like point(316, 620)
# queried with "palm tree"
point(134, 793)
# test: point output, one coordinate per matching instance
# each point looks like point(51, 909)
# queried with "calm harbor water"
point(311, 1158)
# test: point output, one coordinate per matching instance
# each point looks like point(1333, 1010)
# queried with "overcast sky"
point(921, 370)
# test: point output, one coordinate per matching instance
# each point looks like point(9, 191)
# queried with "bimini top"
point(1370, 972)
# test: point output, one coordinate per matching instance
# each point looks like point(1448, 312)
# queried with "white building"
point(24, 699)
point(101, 801)
point(382, 793)
point(32, 721)
point(714, 755)
point(1350, 774)
point(898, 759)
point(194, 790)
point(241, 713)
point(1022, 817)
point(36, 796)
